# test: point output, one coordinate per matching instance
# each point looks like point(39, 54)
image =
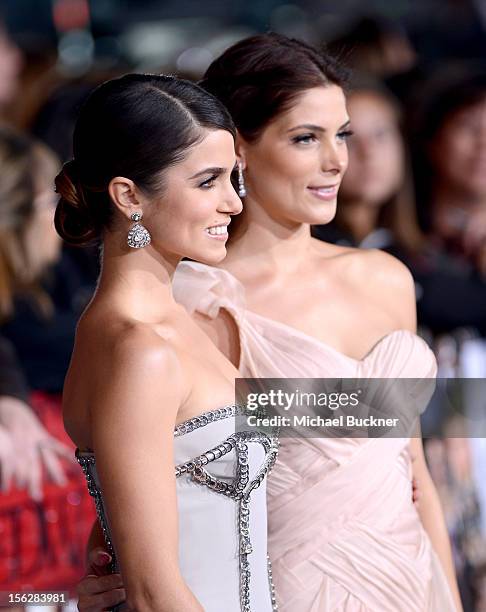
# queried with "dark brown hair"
point(259, 77)
point(135, 126)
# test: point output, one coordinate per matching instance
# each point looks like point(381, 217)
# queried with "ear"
point(125, 195)
point(240, 149)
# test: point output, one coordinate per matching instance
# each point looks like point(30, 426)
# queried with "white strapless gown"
point(221, 497)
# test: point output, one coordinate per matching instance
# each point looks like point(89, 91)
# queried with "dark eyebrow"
point(316, 128)
point(307, 126)
point(217, 171)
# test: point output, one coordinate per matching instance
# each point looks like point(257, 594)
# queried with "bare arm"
point(132, 421)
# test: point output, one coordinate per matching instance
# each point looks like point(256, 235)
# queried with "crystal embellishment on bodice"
point(239, 488)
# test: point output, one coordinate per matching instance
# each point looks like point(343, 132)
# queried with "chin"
point(322, 216)
point(209, 258)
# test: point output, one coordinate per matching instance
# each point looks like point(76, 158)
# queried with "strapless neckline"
point(310, 339)
point(195, 422)
point(236, 291)
point(205, 418)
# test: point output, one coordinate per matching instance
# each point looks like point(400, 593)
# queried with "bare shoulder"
point(380, 269)
point(110, 349)
point(364, 267)
point(139, 347)
point(116, 365)
point(385, 280)
point(377, 277)
point(135, 347)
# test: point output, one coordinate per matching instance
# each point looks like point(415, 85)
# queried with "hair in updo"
point(134, 126)
point(259, 77)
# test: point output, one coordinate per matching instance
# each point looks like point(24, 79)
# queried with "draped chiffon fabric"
point(344, 534)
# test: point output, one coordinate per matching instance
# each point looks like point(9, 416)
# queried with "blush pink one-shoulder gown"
point(344, 534)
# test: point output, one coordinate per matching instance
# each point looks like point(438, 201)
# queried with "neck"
point(358, 217)
point(139, 281)
point(274, 245)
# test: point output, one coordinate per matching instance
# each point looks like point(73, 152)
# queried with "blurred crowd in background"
point(416, 187)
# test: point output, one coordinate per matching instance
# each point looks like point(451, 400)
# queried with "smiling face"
point(376, 154)
point(191, 217)
point(294, 169)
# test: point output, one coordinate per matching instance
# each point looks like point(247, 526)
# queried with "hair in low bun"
point(73, 220)
point(135, 126)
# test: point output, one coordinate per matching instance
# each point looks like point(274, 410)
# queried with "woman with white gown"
point(148, 398)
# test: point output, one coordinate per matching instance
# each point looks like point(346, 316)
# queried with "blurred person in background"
point(449, 155)
point(29, 249)
point(35, 348)
point(11, 64)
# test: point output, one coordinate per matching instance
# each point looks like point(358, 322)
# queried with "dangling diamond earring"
point(138, 237)
point(241, 181)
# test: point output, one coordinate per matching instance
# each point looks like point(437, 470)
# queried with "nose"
point(334, 159)
point(231, 203)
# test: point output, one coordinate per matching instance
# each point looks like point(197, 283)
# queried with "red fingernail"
point(104, 557)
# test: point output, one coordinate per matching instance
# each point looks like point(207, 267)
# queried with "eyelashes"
point(308, 138)
point(208, 183)
point(304, 138)
point(345, 134)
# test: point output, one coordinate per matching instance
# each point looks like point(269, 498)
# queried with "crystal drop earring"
point(138, 236)
point(241, 181)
